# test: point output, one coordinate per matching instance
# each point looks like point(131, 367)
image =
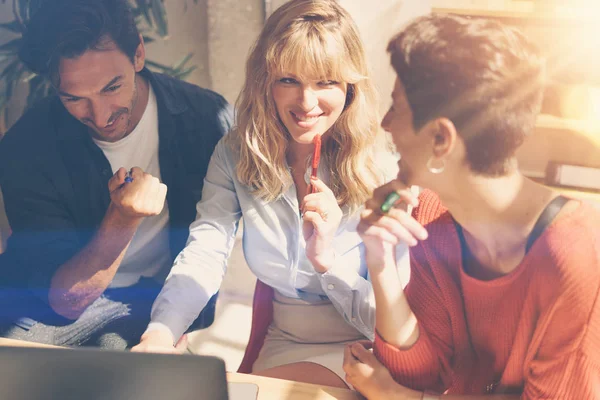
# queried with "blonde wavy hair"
point(313, 39)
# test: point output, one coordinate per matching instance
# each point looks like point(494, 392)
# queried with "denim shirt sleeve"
point(352, 295)
point(44, 235)
point(198, 270)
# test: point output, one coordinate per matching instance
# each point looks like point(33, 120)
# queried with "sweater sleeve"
point(426, 365)
point(574, 377)
point(565, 362)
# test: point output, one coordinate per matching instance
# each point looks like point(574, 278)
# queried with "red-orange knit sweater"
point(535, 331)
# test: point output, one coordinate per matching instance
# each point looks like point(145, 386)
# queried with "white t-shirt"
point(148, 254)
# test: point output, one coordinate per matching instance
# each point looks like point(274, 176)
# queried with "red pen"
point(315, 161)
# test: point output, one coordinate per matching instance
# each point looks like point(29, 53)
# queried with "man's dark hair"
point(485, 77)
point(68, 28)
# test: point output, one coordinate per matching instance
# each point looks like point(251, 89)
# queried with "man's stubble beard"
point(134, 102)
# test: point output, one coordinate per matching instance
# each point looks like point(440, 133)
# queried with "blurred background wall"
point(220, 33)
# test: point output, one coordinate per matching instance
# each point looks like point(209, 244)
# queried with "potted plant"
point(151, 19)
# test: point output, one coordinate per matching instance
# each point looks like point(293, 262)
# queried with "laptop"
point(28, 373)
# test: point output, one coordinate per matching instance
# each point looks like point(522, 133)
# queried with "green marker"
point(389, 202)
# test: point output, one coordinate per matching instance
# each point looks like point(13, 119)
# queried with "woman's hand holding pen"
point(322, 216)
point(383, 225)
point(136, 195)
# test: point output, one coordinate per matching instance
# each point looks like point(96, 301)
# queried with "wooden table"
point(278, 389)
point(268, 388)
point(22, 343)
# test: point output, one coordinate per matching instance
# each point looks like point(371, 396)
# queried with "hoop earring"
point(435, 170)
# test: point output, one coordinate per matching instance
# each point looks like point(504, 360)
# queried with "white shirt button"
point(331, 286)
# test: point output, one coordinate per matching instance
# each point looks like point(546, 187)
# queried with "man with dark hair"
point(85, 174)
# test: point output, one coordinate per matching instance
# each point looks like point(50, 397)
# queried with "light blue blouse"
point(274, 249)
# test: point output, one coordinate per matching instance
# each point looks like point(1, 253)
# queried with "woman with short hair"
point(505, 272)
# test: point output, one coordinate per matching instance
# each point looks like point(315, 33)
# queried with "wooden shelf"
point(566, 141)
point(546, 121)
point(485, 13)
point(578, 194)
point(513, 14)
point(581, 194)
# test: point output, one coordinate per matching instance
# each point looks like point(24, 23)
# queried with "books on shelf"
point(575, 176)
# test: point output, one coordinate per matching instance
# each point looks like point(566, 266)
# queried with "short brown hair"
point(487, 78)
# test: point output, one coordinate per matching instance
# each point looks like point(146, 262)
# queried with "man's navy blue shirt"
point(54, 178)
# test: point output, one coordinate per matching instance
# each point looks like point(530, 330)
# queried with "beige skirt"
point(306, 332)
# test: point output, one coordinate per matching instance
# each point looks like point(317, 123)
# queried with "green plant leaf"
point(7, 57)
point(183, 74)
point(150, 17)
point(12, 26)
point(10, 69)
point(143, 8)
point(11, 47)
point(3, 101)
point(13, 79)
point(185, 4)
point(22, 10)
point(159, 14)
point(29, 77)
point(34, 84)
point(160, 67)
point(5, 113)
point(183, 61)
point(148, 39)
point(38, 89)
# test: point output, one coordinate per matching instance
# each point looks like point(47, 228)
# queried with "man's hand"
point(367, 375)
point(143, 197)
point(82, 279)
point(159, 341)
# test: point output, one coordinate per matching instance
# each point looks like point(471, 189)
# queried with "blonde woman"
point(305, 76)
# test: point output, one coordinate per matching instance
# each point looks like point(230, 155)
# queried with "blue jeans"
point(115, 321)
